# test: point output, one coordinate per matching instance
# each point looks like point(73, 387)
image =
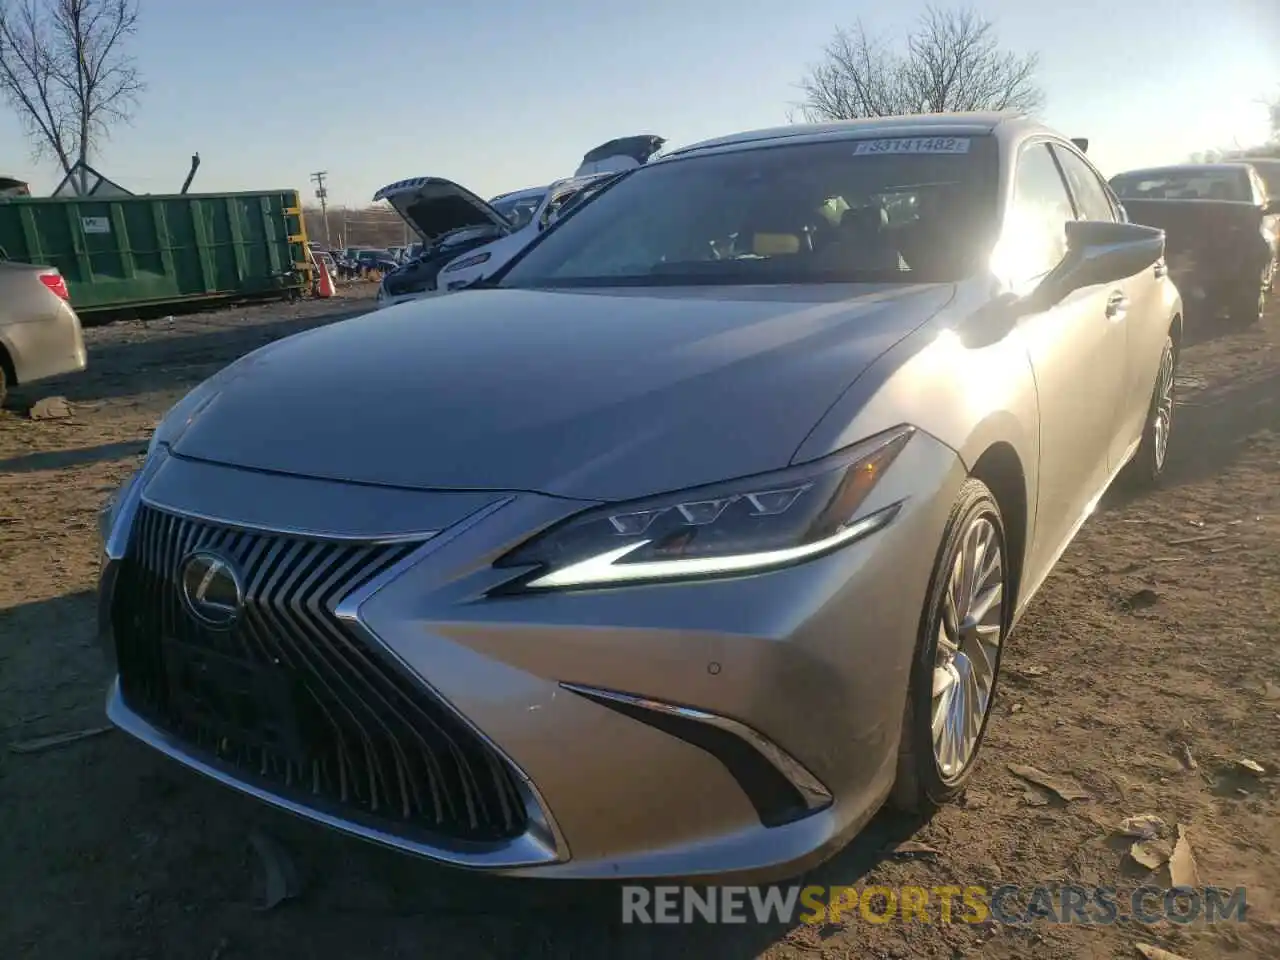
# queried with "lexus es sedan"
point(682, 544)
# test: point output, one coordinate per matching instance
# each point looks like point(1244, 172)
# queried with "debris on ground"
point(1201, 539)
point(1142, 599)
point(1065, 788)
point(1145, 826)
point(41, 744)
point(913, 848)
point(50, 408)
point(1151, 854)
point(1251, 766)
point(1183, 871)
point(281, 881)
point(1183, 752)
point(1150, 952)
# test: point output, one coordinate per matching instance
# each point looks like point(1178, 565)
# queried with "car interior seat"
point(863, 239)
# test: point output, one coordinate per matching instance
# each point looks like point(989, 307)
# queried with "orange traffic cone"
point(325, 287)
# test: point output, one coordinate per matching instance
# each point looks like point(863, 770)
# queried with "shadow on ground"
point(60, 459)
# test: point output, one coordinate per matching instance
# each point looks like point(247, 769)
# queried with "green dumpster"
point(123, 252)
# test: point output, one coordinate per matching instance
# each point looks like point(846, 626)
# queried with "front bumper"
point(743, 726)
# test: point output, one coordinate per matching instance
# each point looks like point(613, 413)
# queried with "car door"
point(1143, 323)
point(1076, 349)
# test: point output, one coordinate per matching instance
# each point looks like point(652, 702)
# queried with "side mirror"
point(1099, 251)
point(1272, 207)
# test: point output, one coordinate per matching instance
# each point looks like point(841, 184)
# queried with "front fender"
point(969, 397)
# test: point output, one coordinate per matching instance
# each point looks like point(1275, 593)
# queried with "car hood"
point(600, 395)
point(433, 207)
point(624, 153)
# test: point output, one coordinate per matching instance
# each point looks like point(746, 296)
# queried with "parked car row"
point(687, 539)
point(466, 240)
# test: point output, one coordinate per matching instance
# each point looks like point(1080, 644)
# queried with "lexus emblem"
point(211, 590)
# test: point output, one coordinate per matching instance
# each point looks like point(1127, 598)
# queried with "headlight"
point(471, 261)
point(748, 525)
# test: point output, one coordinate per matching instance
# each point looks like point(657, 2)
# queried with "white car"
point(466, 239)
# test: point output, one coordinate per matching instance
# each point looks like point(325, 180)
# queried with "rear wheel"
point(1249, 306)
point(1147, 466)
point(953, 677)
point(4, 380)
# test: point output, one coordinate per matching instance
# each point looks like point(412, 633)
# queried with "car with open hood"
point(466, 239)
point(679, 546)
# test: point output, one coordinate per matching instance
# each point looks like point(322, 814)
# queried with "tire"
point(1147, 466)
point(1248, 308)
point(923, 781)
point(4, 381)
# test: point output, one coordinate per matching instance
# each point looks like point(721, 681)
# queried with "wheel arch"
point(7, 366)
point(1000, 468)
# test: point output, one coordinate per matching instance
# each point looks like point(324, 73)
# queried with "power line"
point(323, 195)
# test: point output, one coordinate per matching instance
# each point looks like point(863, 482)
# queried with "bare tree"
point(952, 62)
point(65, 70)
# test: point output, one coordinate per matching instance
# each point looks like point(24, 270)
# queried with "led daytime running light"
point(604, 568)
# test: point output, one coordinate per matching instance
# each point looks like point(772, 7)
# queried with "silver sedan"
point(40, 333)
point(681, 545)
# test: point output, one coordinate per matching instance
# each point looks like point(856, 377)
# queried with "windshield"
point(519, 209)
point(1187, 184)
point(906, 211)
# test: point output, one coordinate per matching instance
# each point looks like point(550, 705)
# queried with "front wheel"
point(953, 678)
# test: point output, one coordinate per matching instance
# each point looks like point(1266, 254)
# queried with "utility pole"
point(323, 195)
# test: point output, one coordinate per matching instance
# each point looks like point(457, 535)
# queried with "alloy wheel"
point(1162, 424)
point(970, 632)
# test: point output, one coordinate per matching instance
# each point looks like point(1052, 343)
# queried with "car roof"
point(1185, 168)
point(930, 124)
point(521, 194)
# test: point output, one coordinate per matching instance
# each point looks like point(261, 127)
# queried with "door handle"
point(1117, 304)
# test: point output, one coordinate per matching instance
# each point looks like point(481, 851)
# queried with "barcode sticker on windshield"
point(912, 145)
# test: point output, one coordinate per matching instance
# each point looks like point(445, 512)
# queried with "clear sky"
point(504, 95)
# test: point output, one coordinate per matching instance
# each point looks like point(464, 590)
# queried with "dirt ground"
point(1145, 671)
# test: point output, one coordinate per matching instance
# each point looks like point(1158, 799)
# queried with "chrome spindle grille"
point(291, 694)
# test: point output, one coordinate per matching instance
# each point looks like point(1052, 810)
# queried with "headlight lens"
point(472, 261)
point(753, 524)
